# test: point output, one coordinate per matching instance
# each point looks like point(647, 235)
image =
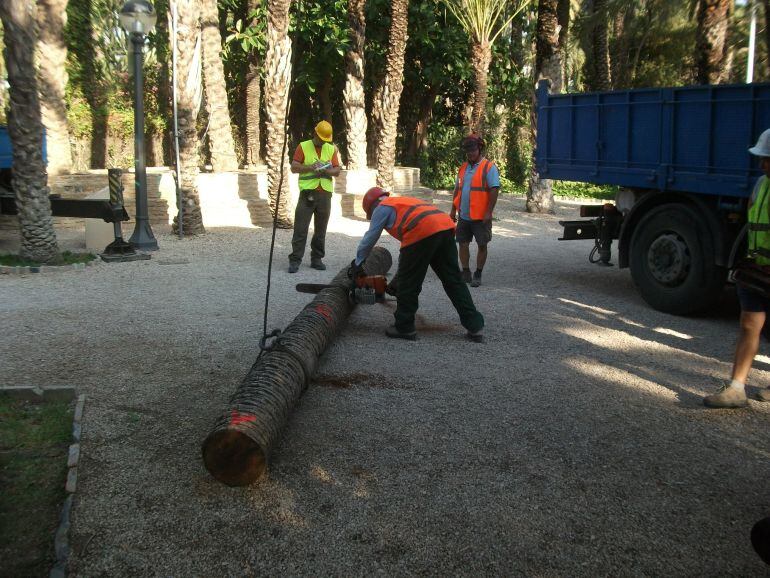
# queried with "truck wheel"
point(672, 261)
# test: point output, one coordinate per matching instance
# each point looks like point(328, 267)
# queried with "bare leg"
point(481, 257)
point(748, 343)
point(465, 255)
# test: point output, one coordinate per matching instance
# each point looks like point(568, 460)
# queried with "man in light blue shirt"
point(476, 189)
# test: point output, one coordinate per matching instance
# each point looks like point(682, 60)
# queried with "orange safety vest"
point(416, 220)
point(479, 191)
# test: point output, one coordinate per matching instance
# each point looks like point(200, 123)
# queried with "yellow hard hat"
point(324, 131)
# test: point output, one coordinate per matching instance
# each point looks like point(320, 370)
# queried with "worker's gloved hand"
point(355, 270)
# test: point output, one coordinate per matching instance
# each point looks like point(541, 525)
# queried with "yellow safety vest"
point(759, 225)
point(309, 181)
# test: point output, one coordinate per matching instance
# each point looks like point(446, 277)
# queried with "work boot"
point(476, 281)
point(467, 277)
point(475, 336)
point(318, 265)
point(727, 396)
point(293, 267)
point(396, 334)
point(763, 394)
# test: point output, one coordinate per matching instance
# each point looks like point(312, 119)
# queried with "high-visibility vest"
point(415, 220)
point(759, 224)
point(478, 191)
point(309, 181)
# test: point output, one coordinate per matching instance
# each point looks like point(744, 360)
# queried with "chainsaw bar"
point(312, 287)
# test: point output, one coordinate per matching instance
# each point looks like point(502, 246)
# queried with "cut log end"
point(234, 458)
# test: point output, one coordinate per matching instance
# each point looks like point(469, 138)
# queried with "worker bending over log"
point(427, 240)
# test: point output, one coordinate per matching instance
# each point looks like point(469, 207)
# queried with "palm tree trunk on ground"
point(188, 106)
point(25, 127)
point(221, 143)
point(547, 65)
point(711, 40)
point(391, 93)
point(52, 79)
point(354, 100)
point(277, 86)
point(253, 100)
point(481, 56)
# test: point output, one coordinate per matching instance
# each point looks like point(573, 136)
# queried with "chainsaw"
point(364, 290)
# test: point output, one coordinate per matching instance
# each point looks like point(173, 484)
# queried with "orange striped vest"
point(415, 220)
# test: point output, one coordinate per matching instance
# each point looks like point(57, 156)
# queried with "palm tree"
point(25, 127)
point(52, 79)
point(547, 65)
point(483, 21)
point(389, 94)
point(220, 133)
point(711, 45)
point(188, 105)
point(277, 85)
point(353, 93)
point(601, 79)
point(253, 98)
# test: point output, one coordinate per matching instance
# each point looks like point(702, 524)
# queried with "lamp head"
point(138, 17)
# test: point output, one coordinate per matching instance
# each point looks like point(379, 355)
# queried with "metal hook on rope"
point(263, 342)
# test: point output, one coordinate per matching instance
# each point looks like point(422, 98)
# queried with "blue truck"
point(679, 157)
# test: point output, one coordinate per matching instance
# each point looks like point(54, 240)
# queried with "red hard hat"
point(371, 197)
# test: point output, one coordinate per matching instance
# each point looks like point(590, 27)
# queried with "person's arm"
point(453, 210)
point(298, 163)
point(335, 169)
point(382, 217)
point(493, 185)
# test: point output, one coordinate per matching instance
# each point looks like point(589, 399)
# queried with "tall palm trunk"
point(277, 86)
point(390, 95)
point(481, 56)
point(221, 143)
point(563, 15)
point(52, 79)
point(601, 47)
point(354, 101)
point(25, 127)
point(766, 6)
point(253, 98)
point(547, 65)
point(711, 42)
point(188, 106)
point(163, 49)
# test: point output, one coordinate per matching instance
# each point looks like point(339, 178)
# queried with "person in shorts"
point(475, 195)
point(754, 306)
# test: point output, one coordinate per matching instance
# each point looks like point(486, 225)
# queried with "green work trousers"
point(439, 252)
point(316, 205)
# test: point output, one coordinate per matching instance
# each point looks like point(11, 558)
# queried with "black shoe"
point(293, 267)
point(396, 334)
point(467, 277)
point(475, 336)
point(318, 265)
point(476, 281)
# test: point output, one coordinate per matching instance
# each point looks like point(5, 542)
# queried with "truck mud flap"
point(578, 230)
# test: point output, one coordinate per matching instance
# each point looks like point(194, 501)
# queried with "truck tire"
point(672, 261)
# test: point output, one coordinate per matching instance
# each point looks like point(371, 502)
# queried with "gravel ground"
point(573, 442)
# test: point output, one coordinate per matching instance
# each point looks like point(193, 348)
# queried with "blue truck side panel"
point(659, 138)
point(6, 152)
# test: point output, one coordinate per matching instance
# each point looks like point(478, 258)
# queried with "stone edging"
point(23, 270)
point(61, 540)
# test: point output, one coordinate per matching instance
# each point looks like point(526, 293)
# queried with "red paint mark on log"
point(325, 311)
point(238, 418)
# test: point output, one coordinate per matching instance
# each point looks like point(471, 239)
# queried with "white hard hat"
point(762, 148)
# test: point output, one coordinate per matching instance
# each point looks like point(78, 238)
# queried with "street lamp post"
point(137, 17)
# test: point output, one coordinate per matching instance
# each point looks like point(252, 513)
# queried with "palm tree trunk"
point(547, 65)
point(563, 15)
point(277, 86)
point(52, 80)
point(189, 95)
point(766, 6)
point(163, 47)
point(353, 96)
point(711, 39)
point(253, 102)
point(601, 48)
point(221, 143)
point(481, 56)
point(25, 127)
point(391, 93)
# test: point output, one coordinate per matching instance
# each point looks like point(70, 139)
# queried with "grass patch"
point(569, 190)
point(67, 258)
point(34, 439)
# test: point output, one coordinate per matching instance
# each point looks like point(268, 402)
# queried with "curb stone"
point(61, 540)
point(26, 269)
